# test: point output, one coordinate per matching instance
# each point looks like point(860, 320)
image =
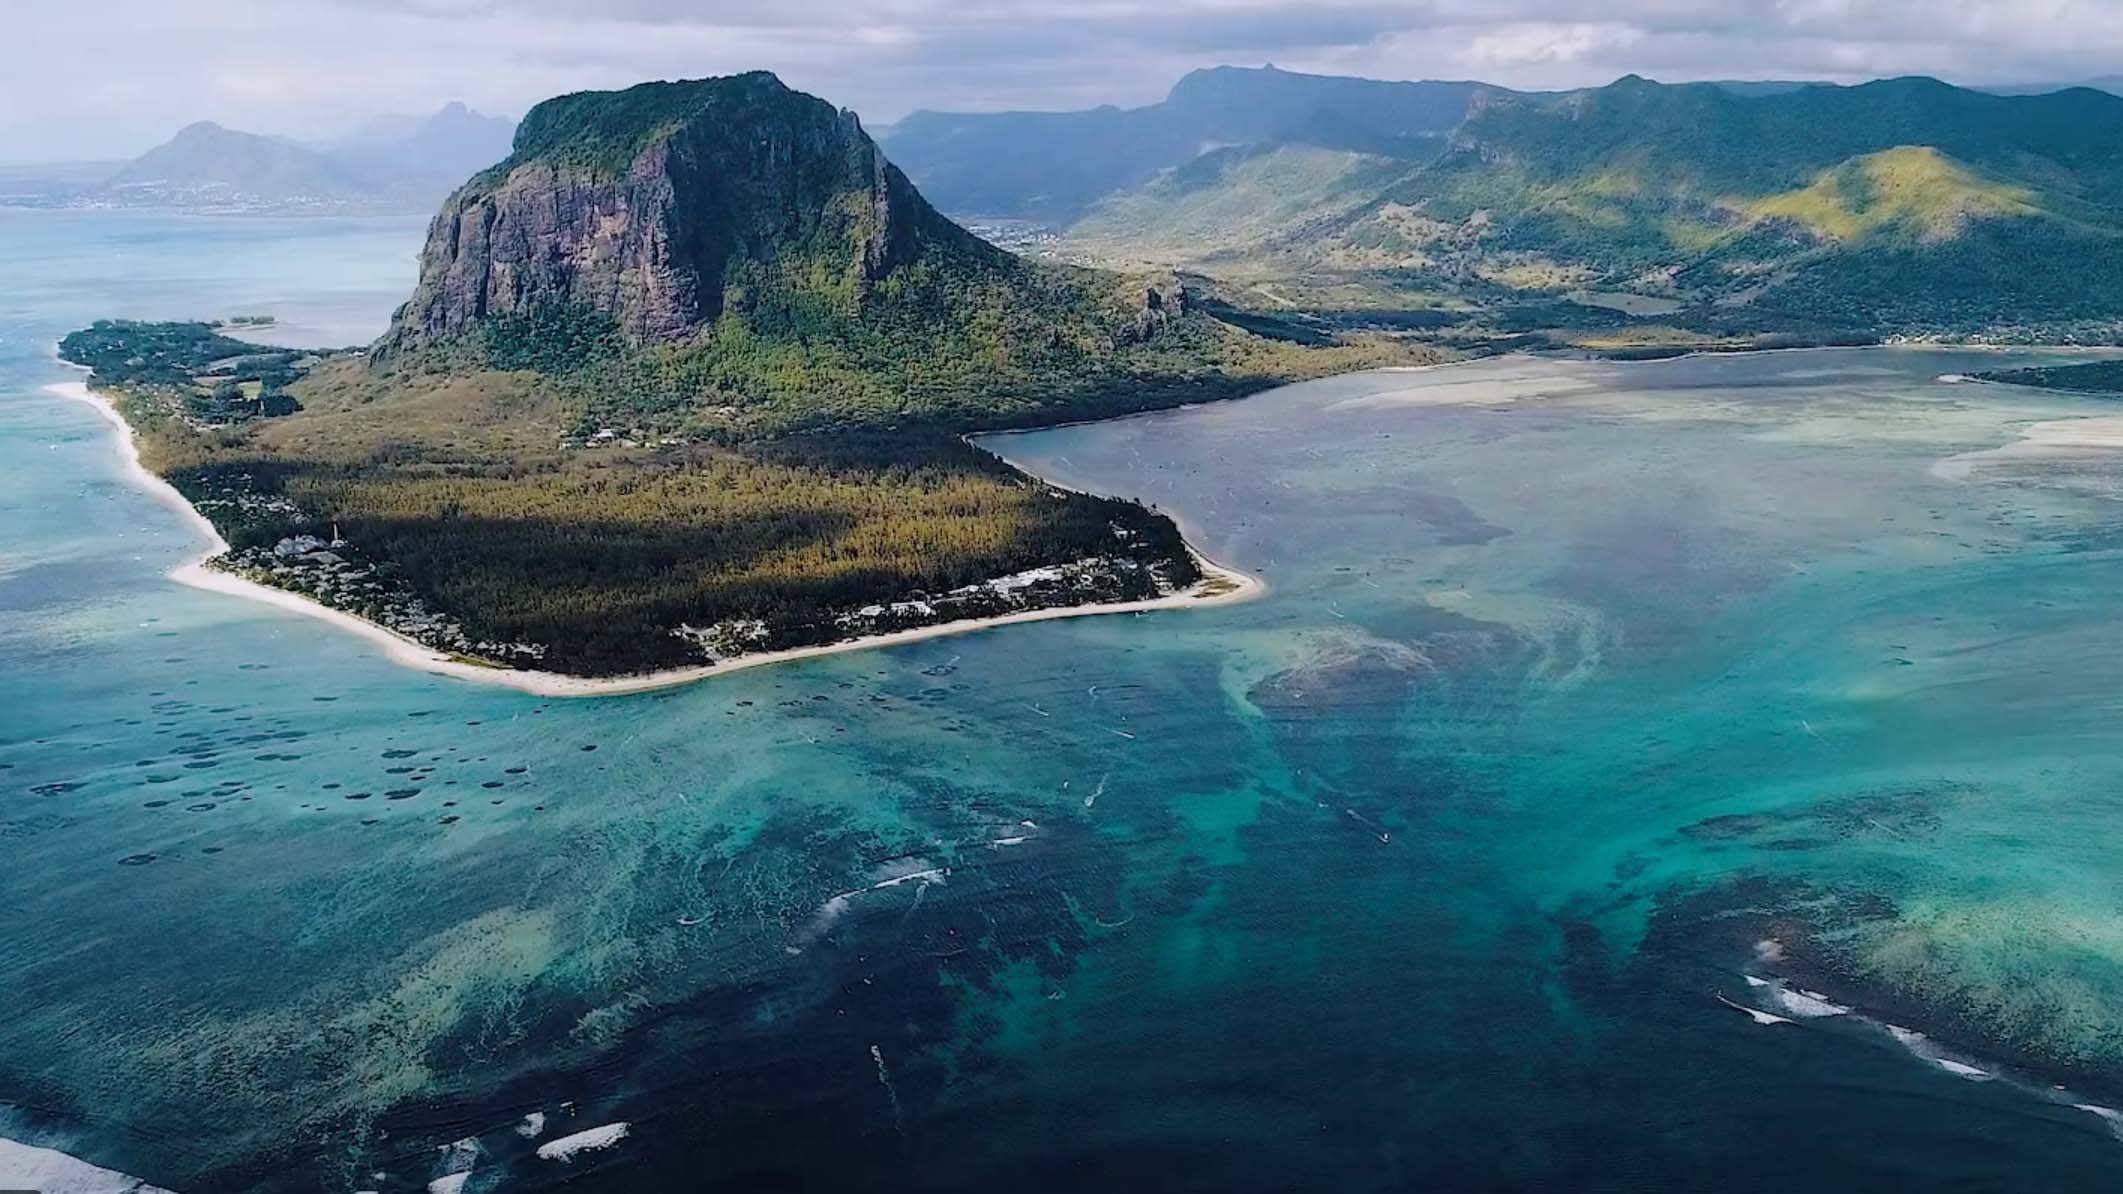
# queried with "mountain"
point(687, 376)
point(390, 128)
point(393, 163)
point(2113, 84)
point(1899, 205)
point(1053, 166)
point(782, 273)
point(1904, 202)
point(647, 207)
point(426, 155)
point(206, 163)
point(1228, 205)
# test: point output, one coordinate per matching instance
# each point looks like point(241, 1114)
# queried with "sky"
point(100, 79)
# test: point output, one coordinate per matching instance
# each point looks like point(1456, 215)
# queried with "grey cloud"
point(307, 67)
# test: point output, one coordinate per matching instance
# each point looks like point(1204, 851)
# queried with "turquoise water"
point(1582, 693)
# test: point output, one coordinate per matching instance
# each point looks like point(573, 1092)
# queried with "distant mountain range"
point(1904, 205)
point(1053, 166)
point(2112, 84)
point(393, 163)
point(428, 156)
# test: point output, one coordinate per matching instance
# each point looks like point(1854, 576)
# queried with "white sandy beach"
point(1237, 586)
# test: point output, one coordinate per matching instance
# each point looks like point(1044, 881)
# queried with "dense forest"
point(476, 492)
point(213, 378)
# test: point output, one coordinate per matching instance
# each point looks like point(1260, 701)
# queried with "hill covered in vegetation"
point(686, 377)
point(1903, 207)
point(1905, 204)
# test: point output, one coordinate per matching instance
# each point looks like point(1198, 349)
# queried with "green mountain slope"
point(1902, 205)
point(731, 258)
point(1238, 201)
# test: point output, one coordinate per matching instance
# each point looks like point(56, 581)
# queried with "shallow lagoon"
point(1582, 693)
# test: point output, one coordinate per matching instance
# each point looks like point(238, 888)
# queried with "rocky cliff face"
point(660, 204)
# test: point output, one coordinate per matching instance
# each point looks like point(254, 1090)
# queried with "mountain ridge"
point(1900, 206)
point(403, 165)
point(979, 163)
point(204, 159)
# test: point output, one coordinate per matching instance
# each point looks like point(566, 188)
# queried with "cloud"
point(81, 79)
point(1539, 42)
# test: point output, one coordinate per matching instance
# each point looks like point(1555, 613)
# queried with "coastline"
point(406, 652)
point(1243, 586)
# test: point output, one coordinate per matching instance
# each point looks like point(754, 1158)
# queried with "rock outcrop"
point(658, 205)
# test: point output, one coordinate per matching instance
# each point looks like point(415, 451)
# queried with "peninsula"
point(684, 385)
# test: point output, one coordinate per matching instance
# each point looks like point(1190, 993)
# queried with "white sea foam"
point(913, 870)
point(49, 1171)
point(834, 907)
point(459, 1159)
point(1920, 1045)
point(588, 1140)
point(925, 877)
point(533, 1126)
point(884, 1079)
point(1093, 797)
point(2108, 1115)
point(1755, 1014)
point(1809, 1005)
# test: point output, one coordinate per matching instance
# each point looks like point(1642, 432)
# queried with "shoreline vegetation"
point(1219, 585)
point(2097, 378)
point(483, 515)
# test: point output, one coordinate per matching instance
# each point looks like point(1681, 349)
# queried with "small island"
point(2093, 377)
point(636, 422)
